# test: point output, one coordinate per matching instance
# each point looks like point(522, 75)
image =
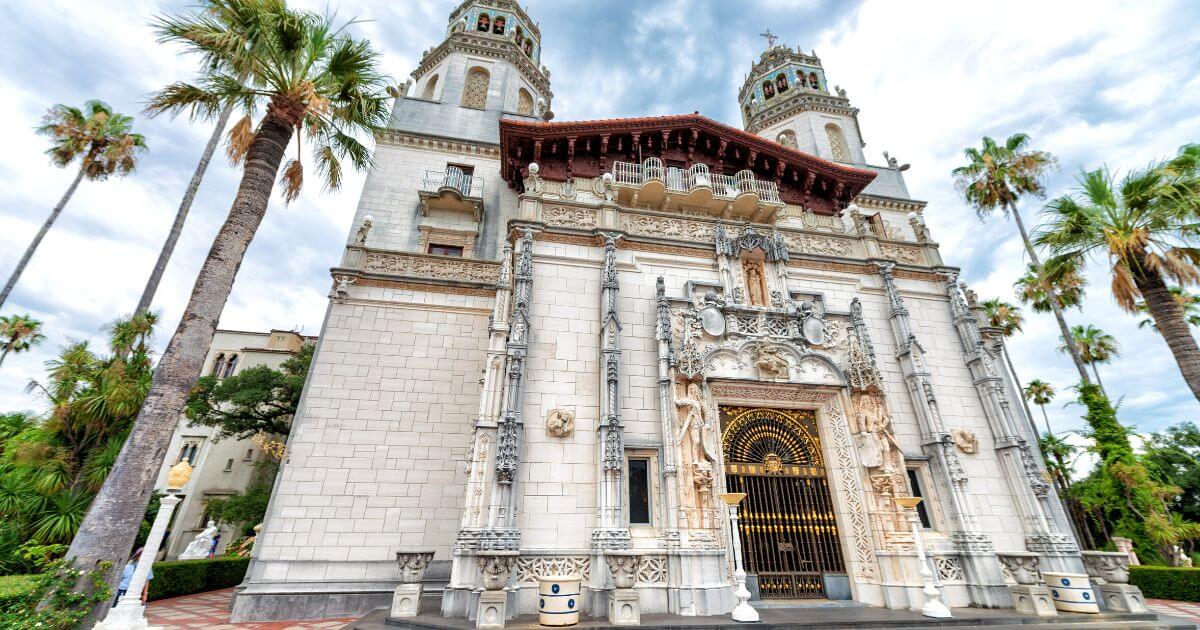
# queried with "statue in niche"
point(771, 363)
point(877, 445)
point(756, 284)
point(560, 423)
point(965, 440)
point(695, 424)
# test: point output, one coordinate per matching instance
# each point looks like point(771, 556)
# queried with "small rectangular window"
point(445, 250)
point(914, 482)
point(228, 465)
point(639, 491)
point(249, 455)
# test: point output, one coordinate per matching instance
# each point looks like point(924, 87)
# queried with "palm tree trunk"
point(185, 205)
point(1169, 318)
point(1100, 383)
point(1046, 418)
point(1063, 328)
point(111, 524)
point(4, 354)
point(1012, 369)
point(37, 238)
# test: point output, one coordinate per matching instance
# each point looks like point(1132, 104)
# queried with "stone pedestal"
point(406, 601)
point(624, 607)
point(493, 609)
point(1032, 599)
point(1125, 598)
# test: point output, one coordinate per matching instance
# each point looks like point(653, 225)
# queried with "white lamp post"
point(933, 595)
point(743, 612)
point(130, 613)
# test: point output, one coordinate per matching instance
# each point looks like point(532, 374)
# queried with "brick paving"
point(211, 611)
point(1184, 610)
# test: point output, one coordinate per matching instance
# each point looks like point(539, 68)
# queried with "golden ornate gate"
point(789, 533)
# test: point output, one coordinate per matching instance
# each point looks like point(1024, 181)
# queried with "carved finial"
point(771, 37)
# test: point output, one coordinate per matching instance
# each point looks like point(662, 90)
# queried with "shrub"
point(185, 577)
point(1180, 583)
point(15, 588)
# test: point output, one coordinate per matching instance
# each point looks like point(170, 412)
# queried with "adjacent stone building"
point(226, 467)
point(562, 338)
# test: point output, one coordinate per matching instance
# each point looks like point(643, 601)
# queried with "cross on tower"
point(770, 38)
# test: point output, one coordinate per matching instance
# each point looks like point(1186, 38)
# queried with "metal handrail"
point(455, 178)
point(698, 176)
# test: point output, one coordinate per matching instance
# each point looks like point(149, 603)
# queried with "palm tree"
point(105, 145)
point(19, 333)
point(314, 78)
point(1145, 229)
point(1095, 345)
point(1059, 456)
point(1033, 289)
point(1190, 302)
point(1008, 320)
point(226, 19)
point(994, 179)
point(1041, 393)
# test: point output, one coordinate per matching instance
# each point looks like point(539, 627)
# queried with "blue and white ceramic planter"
point(1072, 592)
point(558, 600)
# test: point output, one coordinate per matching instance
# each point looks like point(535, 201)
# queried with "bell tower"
point(786, 98)
point(488, 61)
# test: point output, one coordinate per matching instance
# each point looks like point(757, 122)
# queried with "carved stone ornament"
point(814, 330)
point(496, 567)
point(1023, 567)
point(1110, 566)
point(771, 363)
point(712, 321)
point(623, 565)
point(560, 423)
point(412, 565)
point(965, 440)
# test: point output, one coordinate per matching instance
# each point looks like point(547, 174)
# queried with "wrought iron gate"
point(787, 525)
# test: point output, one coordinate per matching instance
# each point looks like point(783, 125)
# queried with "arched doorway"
point(787, 525)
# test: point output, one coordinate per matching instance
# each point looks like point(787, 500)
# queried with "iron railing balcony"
point(452, 189)
point(651, 183)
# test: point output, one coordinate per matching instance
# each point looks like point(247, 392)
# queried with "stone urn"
point(623, 566)
point(1023, 566)
point(496, 567)
point(412, 565)
point(1110, 566)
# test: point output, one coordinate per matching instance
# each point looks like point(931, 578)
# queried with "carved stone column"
point(502, 532)
point(1031, 493)
point(666, 363)
point(611, 531)
point(985, 581)
point(480, 478)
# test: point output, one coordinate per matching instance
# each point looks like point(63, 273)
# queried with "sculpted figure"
point(877, 444)
point(771, 363)
point(695, 422)
point(702, 479)
point(560, 423)
point(201, 545)
point(965, 440)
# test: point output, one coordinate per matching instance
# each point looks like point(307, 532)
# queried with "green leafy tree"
point(1189, 302)
point(1060, 457)
point(1040, 393)
point(313, 78)
point(1034, 290)
point(1145, 229)
point(995, 177)
point(257, 400)
point(1095, 346)
point(19, 333)
point(104, 144)
point(248, 508)
point(1174, 456)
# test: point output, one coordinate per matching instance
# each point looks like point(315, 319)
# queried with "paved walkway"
point(211, 611)
point(1183, 610)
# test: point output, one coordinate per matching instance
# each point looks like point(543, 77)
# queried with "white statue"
point(202, 544)
point(877, 445)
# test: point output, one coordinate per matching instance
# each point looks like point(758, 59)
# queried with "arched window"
point(476, 89)
point(519, 38)
point(218, 365)
point(528, 48)
point(812, 81)
point(187, 452)
point(787, 138)
point(231, 366)
point(430, 88)
point(837, 143)
point(524, 102)
point(768, 89)
point(781, 83)
point(498, 25)
point(484, 24)
point(800, 82)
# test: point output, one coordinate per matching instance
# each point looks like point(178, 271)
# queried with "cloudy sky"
point(1092, 82)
